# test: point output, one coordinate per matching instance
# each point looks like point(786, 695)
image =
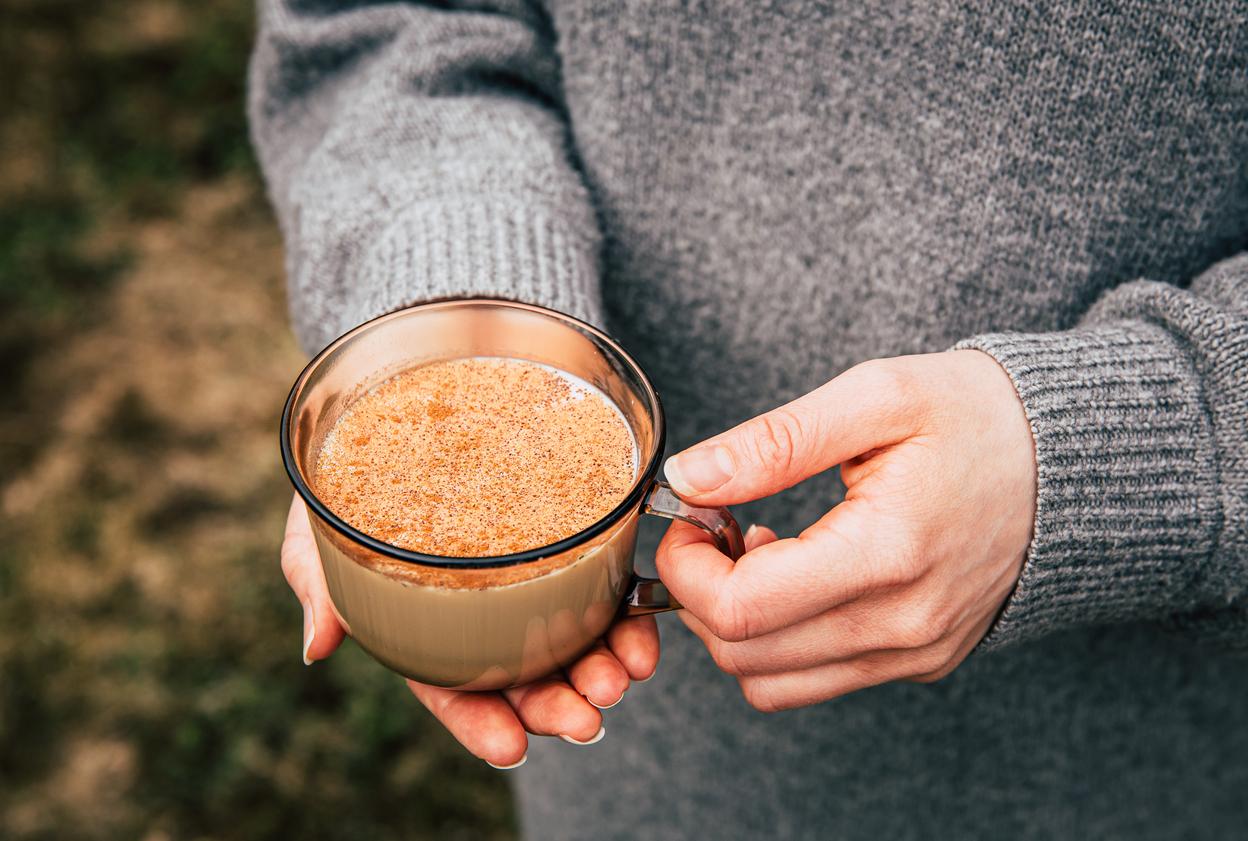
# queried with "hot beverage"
point(474, 472)
point(477, 457)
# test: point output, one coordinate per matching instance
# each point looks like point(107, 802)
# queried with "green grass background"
point(150, 679)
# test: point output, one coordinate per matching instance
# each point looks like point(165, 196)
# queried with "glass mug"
point(485, 623)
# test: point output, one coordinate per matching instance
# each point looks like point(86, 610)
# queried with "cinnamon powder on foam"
point(476, 457)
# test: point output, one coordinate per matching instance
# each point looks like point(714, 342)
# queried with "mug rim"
point(641, 485)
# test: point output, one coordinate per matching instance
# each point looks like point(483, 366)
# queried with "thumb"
point(869, 406)
point(301, 563)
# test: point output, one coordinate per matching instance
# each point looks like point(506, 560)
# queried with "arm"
point(1107, 464)
point(1140, 419)
point(416, 153)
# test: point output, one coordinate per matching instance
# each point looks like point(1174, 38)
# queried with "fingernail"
point(597, 737)
point(750, 532)
point(608, 706)
point(523, 760)
point(309, 631)
point(647, 679)
point(699, 470)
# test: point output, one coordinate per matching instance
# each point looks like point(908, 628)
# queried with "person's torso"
point(789, 188)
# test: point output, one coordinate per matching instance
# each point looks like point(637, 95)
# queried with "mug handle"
point(650, 595)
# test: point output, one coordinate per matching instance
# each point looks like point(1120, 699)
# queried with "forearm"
point(1140, 419)
point(416, 153)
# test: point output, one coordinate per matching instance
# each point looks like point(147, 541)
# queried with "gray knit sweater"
point(754, 197)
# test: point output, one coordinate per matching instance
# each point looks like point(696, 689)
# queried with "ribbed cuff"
point(497, 247)
point(1127, 509)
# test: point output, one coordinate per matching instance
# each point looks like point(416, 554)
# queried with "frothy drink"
point(473, 459)
point(477, 457)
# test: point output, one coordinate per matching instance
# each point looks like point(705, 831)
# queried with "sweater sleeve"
point(1140, 421)
point(414, 153)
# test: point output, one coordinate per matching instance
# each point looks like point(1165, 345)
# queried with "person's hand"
point(491, 725)
point(902, 579)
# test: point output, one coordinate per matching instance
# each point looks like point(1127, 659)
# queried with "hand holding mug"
point(531, 637)
point(491, 725)
point(902, 579)
point(899, 581)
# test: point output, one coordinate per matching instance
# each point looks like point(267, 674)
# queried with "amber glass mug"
point(485, 623)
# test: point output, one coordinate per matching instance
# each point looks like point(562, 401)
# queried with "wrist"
point(1126, 509)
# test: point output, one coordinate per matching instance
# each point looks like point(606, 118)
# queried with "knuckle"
point(886, 375)
point(725, 657)
point(871, 670)
point(298, 551)
point(940, 615)
point(899, 383)
point(913, 629)
point(290, 559)
point(936, 661)
point(897, 570)
point(762, 695)
point(909, 561)
point(932, 660)
point(900, 553)
point(937, 671)
point(730, 617)
point(776, 439)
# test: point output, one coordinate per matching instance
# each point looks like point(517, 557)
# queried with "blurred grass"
point(150, 680)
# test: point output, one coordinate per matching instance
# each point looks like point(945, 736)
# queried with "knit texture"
point(418, 154)
point(754, 197)
point(1142, 496)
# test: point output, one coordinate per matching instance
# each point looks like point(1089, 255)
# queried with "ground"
point(151, 684)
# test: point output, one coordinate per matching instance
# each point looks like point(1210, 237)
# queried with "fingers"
point(854, 629)
point(635, 644)
point(301, 563)
point(599, 676)
point(871, 405)
point(483, 722)
point(492, 725)
point(777, 584)
point(979, 630)
point(756, 536)
point(551, 707)
point(925, 664)
point(789, 690)
point(902, 579)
